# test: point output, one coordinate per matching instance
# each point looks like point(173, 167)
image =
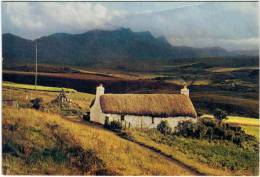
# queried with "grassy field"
point(208, 157)
point(207, 102)
point(221, 69)
point(215, 157)
point(38, 143)
point(32, 142)
point(24, 95)
point(239, 120)
point(251, 130)
point(32, 87)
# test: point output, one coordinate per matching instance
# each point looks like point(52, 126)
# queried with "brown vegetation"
point(161, 105)
point(38, 143)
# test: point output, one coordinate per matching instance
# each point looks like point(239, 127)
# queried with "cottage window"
point(152, 120)
point(122, 117)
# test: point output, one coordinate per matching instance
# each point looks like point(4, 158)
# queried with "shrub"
point(210, 129)
point(115, 125)
point(86, 117)
point(107, 124)
point(186, 128)
point(36, 103)
point(164, 127)
point(220, 115)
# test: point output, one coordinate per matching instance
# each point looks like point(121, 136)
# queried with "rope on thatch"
point(155, 105)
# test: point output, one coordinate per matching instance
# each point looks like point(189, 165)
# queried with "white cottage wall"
point(146, 121)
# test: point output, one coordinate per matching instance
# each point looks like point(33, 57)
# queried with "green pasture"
point(32, 87)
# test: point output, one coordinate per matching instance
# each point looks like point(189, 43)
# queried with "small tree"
point(220, 115)
point(164, 127)
point(36, 103)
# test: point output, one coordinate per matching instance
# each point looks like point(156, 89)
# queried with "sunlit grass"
point(217, 69)
point(40, 88)
point(251, 130)
point(239, 120)
point(24, 95)
point(119, 155)
point(242, 120)
point(207, 157)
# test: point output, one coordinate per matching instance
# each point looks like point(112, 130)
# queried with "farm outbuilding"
point(142, 110)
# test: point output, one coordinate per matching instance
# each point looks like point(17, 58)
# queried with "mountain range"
point(99, 46)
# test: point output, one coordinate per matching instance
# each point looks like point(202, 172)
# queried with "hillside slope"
point(36, 143)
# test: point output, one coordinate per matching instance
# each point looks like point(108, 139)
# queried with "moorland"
point(56, 139)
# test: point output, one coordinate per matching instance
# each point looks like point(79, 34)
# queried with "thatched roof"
point(156, 105)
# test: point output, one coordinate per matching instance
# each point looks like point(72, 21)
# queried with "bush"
point(116, 125)
point(36, 103)
point(210, 129)
point(107, 124)
point(113, 125)
point(186, 128)
point(164, 127)
point(220, 115)
point(86, 117)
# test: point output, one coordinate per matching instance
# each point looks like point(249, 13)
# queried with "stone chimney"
point(100, 91)
point(185, 91)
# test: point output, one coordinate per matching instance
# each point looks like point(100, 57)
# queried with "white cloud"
point(229, 44)
point(20, 15)
point(51, 17)
point(229, 25)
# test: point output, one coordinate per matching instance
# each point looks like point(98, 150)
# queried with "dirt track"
point(187, 168)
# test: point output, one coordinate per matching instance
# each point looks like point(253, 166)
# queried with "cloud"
point(229, 44)
point(20, 15)
point(32, 18)
point(226, 24)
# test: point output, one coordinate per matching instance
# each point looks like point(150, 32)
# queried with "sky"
point(231, 25)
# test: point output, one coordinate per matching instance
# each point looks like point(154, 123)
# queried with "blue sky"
point(231, 25)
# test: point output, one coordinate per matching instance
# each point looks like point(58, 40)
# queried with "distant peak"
point(162, 39)
point(59, 34)
point(11, 35)
point(124, 29)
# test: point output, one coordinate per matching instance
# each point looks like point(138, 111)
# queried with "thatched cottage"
point(142, 110)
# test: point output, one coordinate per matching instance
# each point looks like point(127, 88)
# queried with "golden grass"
point(161, 105)
point(24, 95)
point(219, 70)
point(118, 154)
point(202, 82)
